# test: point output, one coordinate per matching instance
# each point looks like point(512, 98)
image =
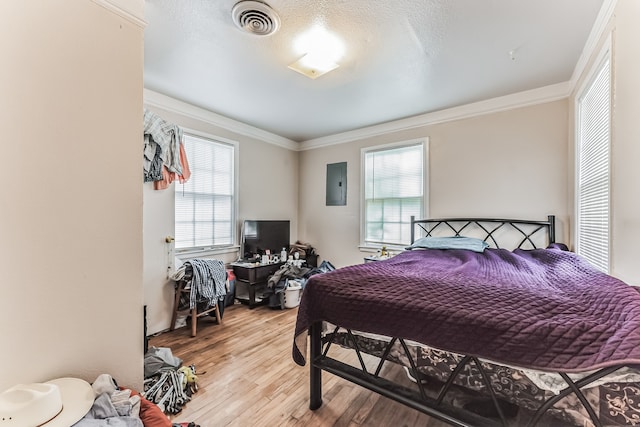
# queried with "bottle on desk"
point(283, 255)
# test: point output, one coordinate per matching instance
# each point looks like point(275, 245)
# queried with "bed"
point(529, 335)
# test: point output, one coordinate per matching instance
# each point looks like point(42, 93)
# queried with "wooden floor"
point(247, 377)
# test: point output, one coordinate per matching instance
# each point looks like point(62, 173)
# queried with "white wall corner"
point(597, 31)
point(159, 100)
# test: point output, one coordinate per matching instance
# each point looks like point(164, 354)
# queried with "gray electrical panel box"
point(337, 184)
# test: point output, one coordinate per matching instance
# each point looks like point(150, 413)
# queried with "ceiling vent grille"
point(255, 17)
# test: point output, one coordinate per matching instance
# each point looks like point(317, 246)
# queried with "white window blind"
point(204, 205)
point(593, 147)
point(393, 192)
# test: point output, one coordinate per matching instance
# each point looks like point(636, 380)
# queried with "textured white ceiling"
point(402, 58)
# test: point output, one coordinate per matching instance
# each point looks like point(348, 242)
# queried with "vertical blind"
point(204, 205)
point(593, 149)
point(393, 193)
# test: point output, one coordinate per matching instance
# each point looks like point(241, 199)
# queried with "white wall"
point(267, 189)
point(71, 201)
point(626, 144)
point(506, 164)
point(624, 33)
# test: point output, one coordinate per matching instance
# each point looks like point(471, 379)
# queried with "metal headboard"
point(488, 227)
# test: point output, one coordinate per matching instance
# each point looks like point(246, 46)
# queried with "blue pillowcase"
point(458, 242)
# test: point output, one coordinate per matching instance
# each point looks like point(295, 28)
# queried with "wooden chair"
point(180, 289)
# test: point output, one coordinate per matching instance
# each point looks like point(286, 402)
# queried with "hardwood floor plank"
point(364, 410)
point(246, 376)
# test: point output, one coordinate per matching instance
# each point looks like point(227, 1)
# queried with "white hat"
point(57, 403)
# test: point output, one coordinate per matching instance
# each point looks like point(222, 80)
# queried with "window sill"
point(376, 248)
point(190, 252)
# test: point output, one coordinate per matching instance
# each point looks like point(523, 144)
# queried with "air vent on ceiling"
point(255, 17)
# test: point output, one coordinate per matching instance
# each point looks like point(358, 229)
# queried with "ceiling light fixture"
point(313, 65)
point(320, 52)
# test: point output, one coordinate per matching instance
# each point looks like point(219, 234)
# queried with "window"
point(205, 205)
point(593, 137)
point(393, 192)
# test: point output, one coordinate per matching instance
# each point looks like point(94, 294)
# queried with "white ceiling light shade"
point(313, 66)
point(320, 52)
point(255, 17)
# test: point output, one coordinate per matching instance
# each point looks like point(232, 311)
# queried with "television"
point(258, 236)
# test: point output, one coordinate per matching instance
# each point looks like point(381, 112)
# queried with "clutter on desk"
point(300, 250)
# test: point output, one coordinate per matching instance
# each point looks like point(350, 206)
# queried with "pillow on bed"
point(457, 242)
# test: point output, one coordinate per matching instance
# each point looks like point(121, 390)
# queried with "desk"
point(253, 277)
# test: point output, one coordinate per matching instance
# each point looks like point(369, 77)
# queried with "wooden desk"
point(253, 277)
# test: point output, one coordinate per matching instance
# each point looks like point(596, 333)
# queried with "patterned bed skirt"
point(616, 400)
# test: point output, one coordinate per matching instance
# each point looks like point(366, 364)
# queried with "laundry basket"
point(292, 294)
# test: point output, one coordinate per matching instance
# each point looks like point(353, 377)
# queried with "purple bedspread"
point(545, 309)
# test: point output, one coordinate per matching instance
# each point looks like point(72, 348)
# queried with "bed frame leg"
point(315, 377)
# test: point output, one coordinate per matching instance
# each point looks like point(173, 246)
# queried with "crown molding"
point(597, 31)
point(494, 105)
point(522, 99)
point(118, 7)
point(156, 99)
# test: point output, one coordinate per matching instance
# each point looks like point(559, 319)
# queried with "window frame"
point(600, 62)
point(214, 249)
point(366, 246)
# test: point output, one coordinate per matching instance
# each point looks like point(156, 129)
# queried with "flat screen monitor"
point(260, 235)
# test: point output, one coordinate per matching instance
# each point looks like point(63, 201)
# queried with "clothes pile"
point(167, 383)
point(290, 272)
point(74, 402)
point(164, 155)
point(113, 406)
